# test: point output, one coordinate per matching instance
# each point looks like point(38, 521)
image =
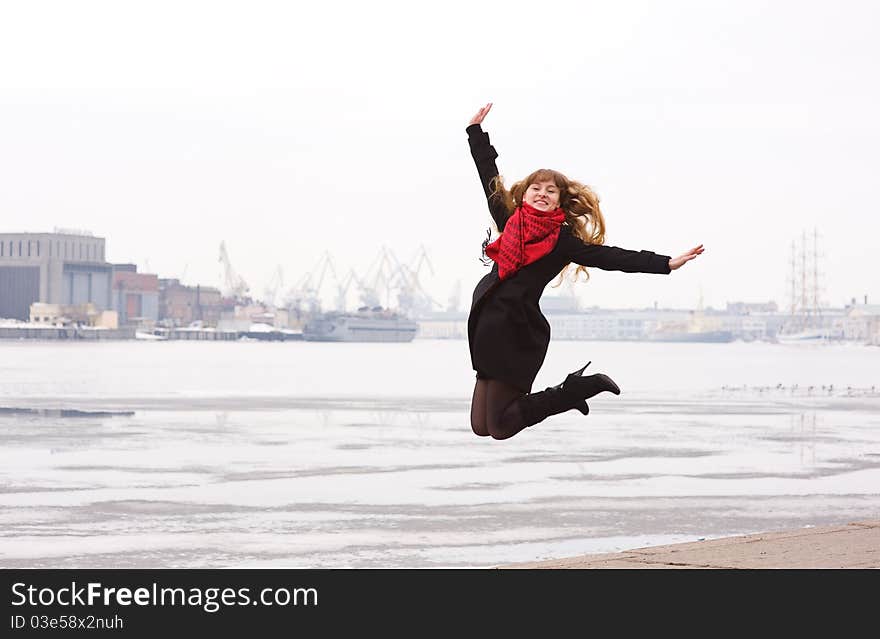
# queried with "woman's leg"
point(478, 408)
point(504, 416)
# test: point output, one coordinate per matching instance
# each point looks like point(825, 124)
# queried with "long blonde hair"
point(578, 201)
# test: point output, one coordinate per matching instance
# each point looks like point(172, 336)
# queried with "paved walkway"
point(854, 545)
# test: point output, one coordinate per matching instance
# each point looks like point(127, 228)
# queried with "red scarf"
point(528, 236)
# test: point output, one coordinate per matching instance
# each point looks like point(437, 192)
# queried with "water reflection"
point(803, 427)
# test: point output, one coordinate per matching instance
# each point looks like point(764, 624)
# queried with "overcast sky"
point(291, 129)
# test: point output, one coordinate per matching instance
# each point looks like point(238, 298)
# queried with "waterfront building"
point(181, 305)
point(135, 296)
point(750, 308)
point(61, 315)
point(752, 321)
point(55, 268)
point(442, 325)
point(611, 324)
point(861, 323)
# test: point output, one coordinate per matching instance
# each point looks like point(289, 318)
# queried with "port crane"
point(342, 289)
point(271, 292)
point(304, 296)
point(378, 276)
point(412, 297)
point(454, 299)
point(235, 285)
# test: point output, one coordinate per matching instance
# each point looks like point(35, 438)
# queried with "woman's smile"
point(543, 196)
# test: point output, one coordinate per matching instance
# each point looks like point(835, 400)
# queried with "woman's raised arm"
point(484, 155)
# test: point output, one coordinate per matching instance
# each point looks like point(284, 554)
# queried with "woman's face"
point(543, 196)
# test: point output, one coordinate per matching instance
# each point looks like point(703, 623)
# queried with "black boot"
point(583, 388)
point(571, 393)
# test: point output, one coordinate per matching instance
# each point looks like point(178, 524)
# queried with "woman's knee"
point(479, 429)
point(498, 428)
point(498, 433)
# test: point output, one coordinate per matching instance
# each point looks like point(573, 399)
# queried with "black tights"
point(495, 410)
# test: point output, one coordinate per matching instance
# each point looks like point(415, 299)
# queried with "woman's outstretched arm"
point(612, 258)
point(484, 155)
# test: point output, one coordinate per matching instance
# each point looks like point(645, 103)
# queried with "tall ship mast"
point(805, 323)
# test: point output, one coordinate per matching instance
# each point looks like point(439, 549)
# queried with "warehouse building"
point(135, 296)
point(56, 268)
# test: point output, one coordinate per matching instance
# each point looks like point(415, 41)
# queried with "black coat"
point(507, 333)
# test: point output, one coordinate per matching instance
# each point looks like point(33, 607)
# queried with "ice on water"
point(194, 454)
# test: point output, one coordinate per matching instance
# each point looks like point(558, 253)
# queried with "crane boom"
point(234, 283)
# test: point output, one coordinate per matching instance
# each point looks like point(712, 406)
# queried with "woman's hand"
point(482, 113)
point(678, 262)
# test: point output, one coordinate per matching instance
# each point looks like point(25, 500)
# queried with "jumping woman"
point(546, 222)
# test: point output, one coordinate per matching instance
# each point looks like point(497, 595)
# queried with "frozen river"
point(296, 454)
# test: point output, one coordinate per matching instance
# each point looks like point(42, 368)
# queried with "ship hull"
point(354, 328)
point(716, 337)
point(806, 337)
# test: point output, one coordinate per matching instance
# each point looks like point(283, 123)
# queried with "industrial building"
point(135, 296)
point(55, 268)
point(181, 305)
point(68, 270)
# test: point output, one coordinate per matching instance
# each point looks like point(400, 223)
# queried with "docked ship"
point(809, 336)
point(802, 337)
point(365, 325)
point(807, 323)
point(693, 336)
point(267, 333)
point(696, 329)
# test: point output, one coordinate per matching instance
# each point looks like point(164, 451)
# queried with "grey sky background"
point(291, 129)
